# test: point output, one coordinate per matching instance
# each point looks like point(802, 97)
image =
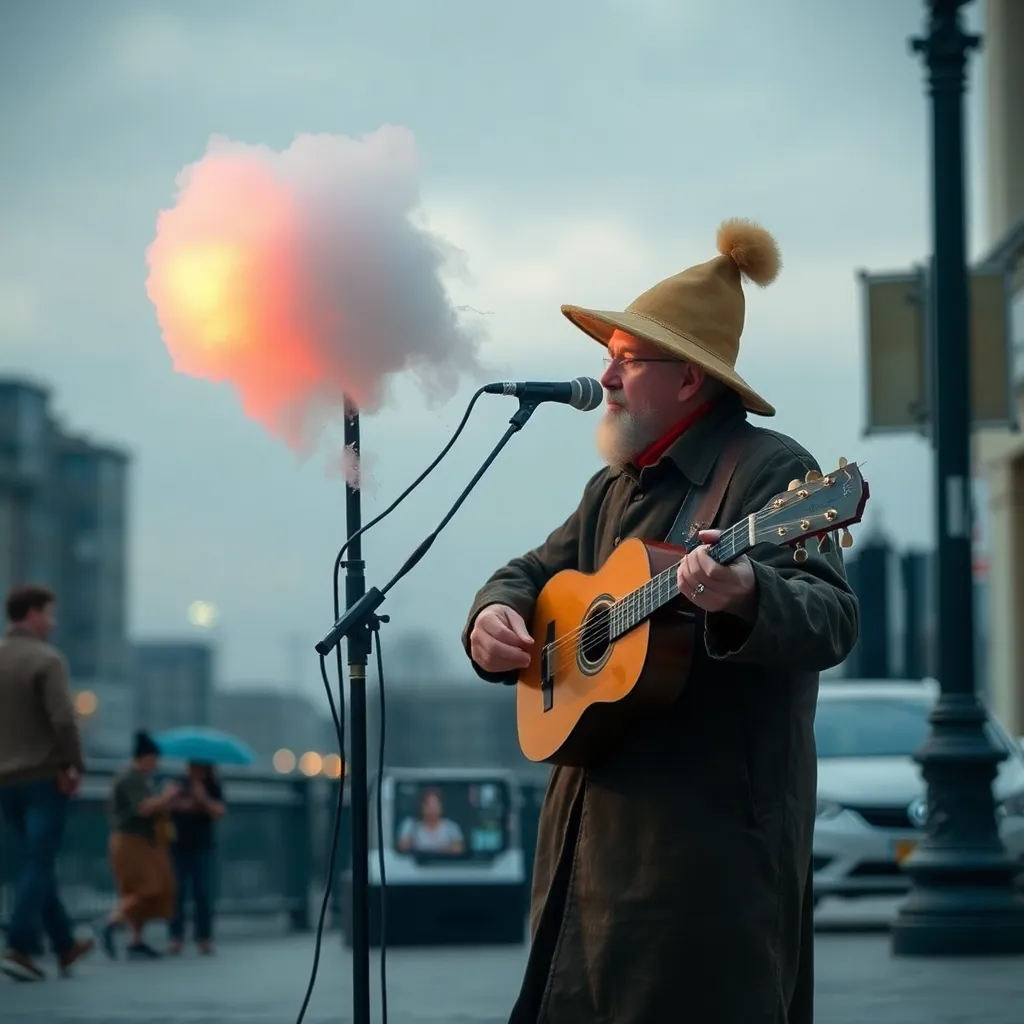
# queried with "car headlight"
point(828, 809)
point(1011, 807)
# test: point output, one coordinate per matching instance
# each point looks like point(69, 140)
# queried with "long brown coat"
point(673, 883)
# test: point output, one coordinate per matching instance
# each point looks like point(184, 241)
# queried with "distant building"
point(28, 486)
point(999, 454)
point(174, 684)
point(92, 557)
point(869, 572)
point(63, 522)
point(269, 720)
point(458, 723)
point(107, 718)
point(898, 615)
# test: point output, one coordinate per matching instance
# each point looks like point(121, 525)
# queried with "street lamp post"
point(962, 899)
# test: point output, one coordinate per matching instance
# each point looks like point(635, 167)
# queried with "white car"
point(871, 795)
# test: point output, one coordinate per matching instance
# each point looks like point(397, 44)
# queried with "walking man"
point(40, 769)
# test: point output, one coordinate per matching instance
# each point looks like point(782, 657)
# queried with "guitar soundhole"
point(595, 643)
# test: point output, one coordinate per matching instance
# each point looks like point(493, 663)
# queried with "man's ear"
point(691, 382)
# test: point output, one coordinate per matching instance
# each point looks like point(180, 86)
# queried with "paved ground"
point(259, 980)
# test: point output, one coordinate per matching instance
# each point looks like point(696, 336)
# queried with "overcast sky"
point(575, 152)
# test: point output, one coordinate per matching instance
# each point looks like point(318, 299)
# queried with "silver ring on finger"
point(698, 590)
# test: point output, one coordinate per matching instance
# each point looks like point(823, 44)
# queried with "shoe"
point(141, 951)
point(107, 936)
point(206, 948)
point(20, 967)
point(174, 947)
point(81, 947)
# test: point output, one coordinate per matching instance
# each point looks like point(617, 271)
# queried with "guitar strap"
point(701, 504)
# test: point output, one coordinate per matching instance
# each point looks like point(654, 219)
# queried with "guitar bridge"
point(548, 659)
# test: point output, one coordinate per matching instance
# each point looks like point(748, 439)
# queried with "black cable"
point(380, 843)
point(338, 716)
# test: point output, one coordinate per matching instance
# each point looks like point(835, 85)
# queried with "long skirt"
point(144, 877)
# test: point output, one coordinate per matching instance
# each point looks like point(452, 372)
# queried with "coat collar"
point(12, 630)
point(694, 454)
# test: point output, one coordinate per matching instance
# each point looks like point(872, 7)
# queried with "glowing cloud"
point(300, 277)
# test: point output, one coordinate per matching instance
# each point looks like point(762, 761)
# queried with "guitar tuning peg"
point(846, 538)
point(812, 476)
point(843, 463)
point(800, 554)
point(824, 544)
point(794, 484)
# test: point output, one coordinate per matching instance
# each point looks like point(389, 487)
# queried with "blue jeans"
point(36, 813)
point(194, 870)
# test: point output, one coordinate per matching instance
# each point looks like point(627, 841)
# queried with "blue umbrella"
point(208, 746)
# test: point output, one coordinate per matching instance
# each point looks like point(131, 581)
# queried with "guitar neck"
point(629, 611)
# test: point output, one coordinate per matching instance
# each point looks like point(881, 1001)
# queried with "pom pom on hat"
point(752, 249)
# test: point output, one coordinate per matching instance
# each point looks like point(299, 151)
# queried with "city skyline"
point(226, 514)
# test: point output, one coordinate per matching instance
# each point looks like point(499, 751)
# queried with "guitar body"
point(576, 699)
point(618, 644)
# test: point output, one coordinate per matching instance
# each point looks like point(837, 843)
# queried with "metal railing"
point(266, 847)
point(272, 847)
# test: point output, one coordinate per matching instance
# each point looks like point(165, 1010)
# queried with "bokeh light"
point(86, 703)
point(203, 614)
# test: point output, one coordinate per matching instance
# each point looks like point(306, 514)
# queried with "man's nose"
point(610, 379)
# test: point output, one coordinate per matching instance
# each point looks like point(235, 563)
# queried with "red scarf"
point(653, 452)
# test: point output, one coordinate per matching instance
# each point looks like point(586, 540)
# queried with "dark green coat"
point(673, 883)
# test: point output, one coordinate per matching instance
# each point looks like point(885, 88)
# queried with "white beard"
point(622, 435)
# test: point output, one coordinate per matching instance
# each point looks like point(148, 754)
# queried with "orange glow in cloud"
point(299, 278)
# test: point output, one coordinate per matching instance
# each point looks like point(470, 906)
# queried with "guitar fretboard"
point(629, 611)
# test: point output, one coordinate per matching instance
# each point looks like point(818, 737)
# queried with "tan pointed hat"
point(698, 314)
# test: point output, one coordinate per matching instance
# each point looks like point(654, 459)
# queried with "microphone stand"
point(358, 625)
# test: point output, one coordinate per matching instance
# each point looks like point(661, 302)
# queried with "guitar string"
point(593, 629)
point(736, 530)
point(601, 627)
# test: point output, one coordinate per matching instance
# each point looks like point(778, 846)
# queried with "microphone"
point(583, 393)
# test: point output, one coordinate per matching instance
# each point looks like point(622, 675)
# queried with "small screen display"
point(447, 819)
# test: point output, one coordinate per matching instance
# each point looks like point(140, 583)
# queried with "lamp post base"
point(964, 900)
point(959, 932)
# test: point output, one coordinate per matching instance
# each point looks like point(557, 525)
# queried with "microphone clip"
point(527, 407)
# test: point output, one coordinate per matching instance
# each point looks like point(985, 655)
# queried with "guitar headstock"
point(815, 507)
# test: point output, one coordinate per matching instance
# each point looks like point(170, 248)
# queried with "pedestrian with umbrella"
point(195, 811)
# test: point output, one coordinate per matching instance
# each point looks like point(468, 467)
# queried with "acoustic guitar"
point(619, 642)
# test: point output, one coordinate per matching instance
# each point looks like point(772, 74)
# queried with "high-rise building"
point(28, 491)
point(917, 575)
point(63, 523)
point(92, 489)
point(869, 572)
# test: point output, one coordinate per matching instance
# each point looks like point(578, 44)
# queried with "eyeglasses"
point(628, 361)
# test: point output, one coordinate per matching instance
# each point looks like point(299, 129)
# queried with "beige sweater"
point(38, 731)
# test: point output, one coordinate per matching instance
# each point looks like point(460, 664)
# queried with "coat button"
point(615, 543)
point(637, 497)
